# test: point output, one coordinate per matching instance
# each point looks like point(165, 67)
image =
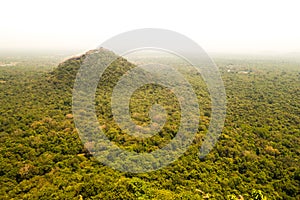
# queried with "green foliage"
point(42, 157)
point(257, 195)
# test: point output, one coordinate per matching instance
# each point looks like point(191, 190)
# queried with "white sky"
point(217, 26)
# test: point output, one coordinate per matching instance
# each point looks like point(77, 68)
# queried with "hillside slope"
point(42, 156)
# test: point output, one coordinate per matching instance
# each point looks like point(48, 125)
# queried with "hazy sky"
point(217, 26)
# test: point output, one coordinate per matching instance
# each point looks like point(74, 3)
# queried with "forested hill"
point(257, 155)
point(65, 73)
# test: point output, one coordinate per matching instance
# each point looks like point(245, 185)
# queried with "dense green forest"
point(256, 157)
